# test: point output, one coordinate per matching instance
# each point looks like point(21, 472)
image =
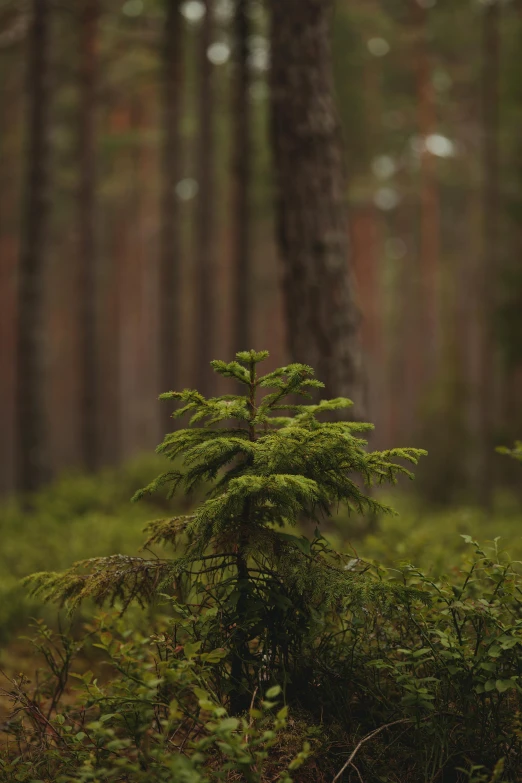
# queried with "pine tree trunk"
point(205, 211)
point(11, 93)
point(87, 232)
point(366, 242)
point(31, 467)
point(490, 256)
point(170, 261)
point(311, 213)
point(241, 116)
point(428, 347)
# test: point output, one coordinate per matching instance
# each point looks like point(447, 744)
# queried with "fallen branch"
point(361, 743)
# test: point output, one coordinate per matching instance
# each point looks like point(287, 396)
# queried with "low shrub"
point(152, 717)
point(425, 689)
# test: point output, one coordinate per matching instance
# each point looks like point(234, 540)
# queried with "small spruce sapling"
point(268, 463)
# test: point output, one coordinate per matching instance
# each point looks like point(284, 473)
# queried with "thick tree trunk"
point(311, 213)
point(241, 164)
point(170, 262)
point(31, 465)
point(87, 232)
point(205, 239)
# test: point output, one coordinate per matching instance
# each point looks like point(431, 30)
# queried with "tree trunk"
point(205, 211)
point(31, 467)
point(11, 94)
point(366, 242)
point(87, 232)
point(428, 347)
point(321, 315)
point(241, 117)
point(490, 255)
point(170, 262)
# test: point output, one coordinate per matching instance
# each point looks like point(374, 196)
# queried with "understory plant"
point(443, 674)
point(150, 717)
point(394, 675)
point(269, 462)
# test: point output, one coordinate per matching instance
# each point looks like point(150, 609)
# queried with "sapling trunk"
point(239, 697)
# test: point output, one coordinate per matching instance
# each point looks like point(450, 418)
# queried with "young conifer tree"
point(267, 464)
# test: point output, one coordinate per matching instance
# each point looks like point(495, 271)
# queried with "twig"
point(252, 705)
point(365, 739)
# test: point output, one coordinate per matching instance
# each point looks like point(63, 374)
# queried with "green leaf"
point(283, 713)
point(273, 692)
point(109, 716)
point(191, 649)
point(419, 653)
point(504, 685)
point(228, 724)
point(215, 656)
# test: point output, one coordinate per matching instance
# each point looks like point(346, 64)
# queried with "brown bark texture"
point(241, 182)
point(429, 326)
point(311, 211)
point(31, 466)
point(490, 257)
point(88, 30)
point(205, 221)
point(170, 262)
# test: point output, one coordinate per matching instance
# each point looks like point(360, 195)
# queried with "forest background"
point(429, 94)
point(339, 183)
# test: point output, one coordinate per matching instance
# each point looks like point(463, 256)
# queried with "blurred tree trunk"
point(490, 251)
point(88, 29)
point(366, 230)
point(205, 238)
point(428, 331)
point(512, 288)
point(170, 260)
point(31, 465)
point(11, 94)
point(311, 213)
point(241, 117)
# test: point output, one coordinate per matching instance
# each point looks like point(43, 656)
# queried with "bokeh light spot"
point(379, 47)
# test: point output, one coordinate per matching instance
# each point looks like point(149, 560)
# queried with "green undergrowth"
point(423, 688)
point(78, 517)
point(385, 651)
point(74, 518)
point(430, 538)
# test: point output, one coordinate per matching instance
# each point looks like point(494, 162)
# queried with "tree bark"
point(170, 262)
point(11, 94)
point(205, 211)
point(241, 165)
point(311, 214)
point(429, 324)
point(88, 29)
point(30, 398)
point(490, 256)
